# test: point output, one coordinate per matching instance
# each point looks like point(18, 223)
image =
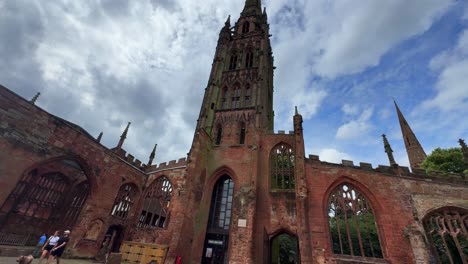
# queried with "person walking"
point(49, 244)
point(38, 250)
point(58, 249)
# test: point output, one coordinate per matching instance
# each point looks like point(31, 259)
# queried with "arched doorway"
point(215, 249)
point(48, 197)
point(284, 249)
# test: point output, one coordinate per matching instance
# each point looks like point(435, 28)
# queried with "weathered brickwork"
point(234, 139)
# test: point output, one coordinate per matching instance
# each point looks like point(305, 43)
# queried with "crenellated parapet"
point(396, 171)
point(182, 162)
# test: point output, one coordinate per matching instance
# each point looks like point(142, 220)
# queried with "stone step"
point(15, 251)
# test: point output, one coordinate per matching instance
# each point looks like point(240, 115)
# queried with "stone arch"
point(281, 252)
point(446, 229)
point(373, 205)
point(50, 193)
point(220, 172)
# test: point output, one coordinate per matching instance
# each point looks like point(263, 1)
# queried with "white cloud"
point(349, 36)
point(333, 155)
point(356, 128)
point(451, 85)
point(350, 109)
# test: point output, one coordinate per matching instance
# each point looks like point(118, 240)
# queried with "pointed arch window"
point(245, 27)
point(124, 201)
point(242, 133)
point(249, 59)
point(247, 95)
point(224, 98)
point(233, 62)
point(446, 229)
point(219, 134)
point(352, 223)
point(236, 95)
point(156, 203)
point(221, 204)
point(282, 167)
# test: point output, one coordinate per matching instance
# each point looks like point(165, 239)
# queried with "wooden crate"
point(142, 253)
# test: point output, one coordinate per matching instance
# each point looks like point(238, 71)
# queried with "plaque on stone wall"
point(242, 223)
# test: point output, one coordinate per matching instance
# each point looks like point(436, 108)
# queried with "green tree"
point(448, 160)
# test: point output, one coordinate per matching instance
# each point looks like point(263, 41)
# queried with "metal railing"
point(13, 239)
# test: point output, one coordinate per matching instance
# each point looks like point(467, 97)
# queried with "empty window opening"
point(156, 204)
point(446, 230)
point(124, 201)
point(282, 167)
point(352, 223)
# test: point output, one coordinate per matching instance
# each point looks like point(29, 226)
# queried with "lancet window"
point(282, 167)
point(156, 203)
point(352, 223)
point(446, 229)
point(247, 95)
point(236, 95)
point(221, 204)
point(124, 201)
point(224, 98)
point(242, 133)
point(245, 27)
point(249, 59)
point(233, 62)
point(219, 134)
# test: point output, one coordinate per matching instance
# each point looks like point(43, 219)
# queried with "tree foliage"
point(448, 160)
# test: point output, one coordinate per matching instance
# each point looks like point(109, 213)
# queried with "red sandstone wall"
point(30, 136)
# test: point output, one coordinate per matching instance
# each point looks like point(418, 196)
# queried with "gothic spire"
point(34, 99)
point(228, 22)
point(416, 154)
point(252, 7)
point(153, 153)
point(123, 136)
point(388, 150)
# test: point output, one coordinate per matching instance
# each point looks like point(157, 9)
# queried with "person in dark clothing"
point(57, 251)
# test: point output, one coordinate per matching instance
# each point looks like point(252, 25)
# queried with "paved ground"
point(7, 260)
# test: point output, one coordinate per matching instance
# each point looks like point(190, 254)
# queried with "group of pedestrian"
point(52, 247)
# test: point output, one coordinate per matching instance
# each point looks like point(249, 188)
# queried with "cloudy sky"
point(102, 63)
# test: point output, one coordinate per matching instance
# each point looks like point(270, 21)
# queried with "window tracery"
point(124, 201)
point(282, 167)
point(352, 223)
point(447, 231)
point(156, 203)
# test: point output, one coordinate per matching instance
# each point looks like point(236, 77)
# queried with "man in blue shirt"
point(38, 250)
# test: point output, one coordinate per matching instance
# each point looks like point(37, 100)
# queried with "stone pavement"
point(8, 260)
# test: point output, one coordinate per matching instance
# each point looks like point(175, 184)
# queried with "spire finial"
point(98, 139)
point(153, 153)
point(123, 136)
point(295, 109)
point(388, 150)
point(228, 21)
point(34, 99)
